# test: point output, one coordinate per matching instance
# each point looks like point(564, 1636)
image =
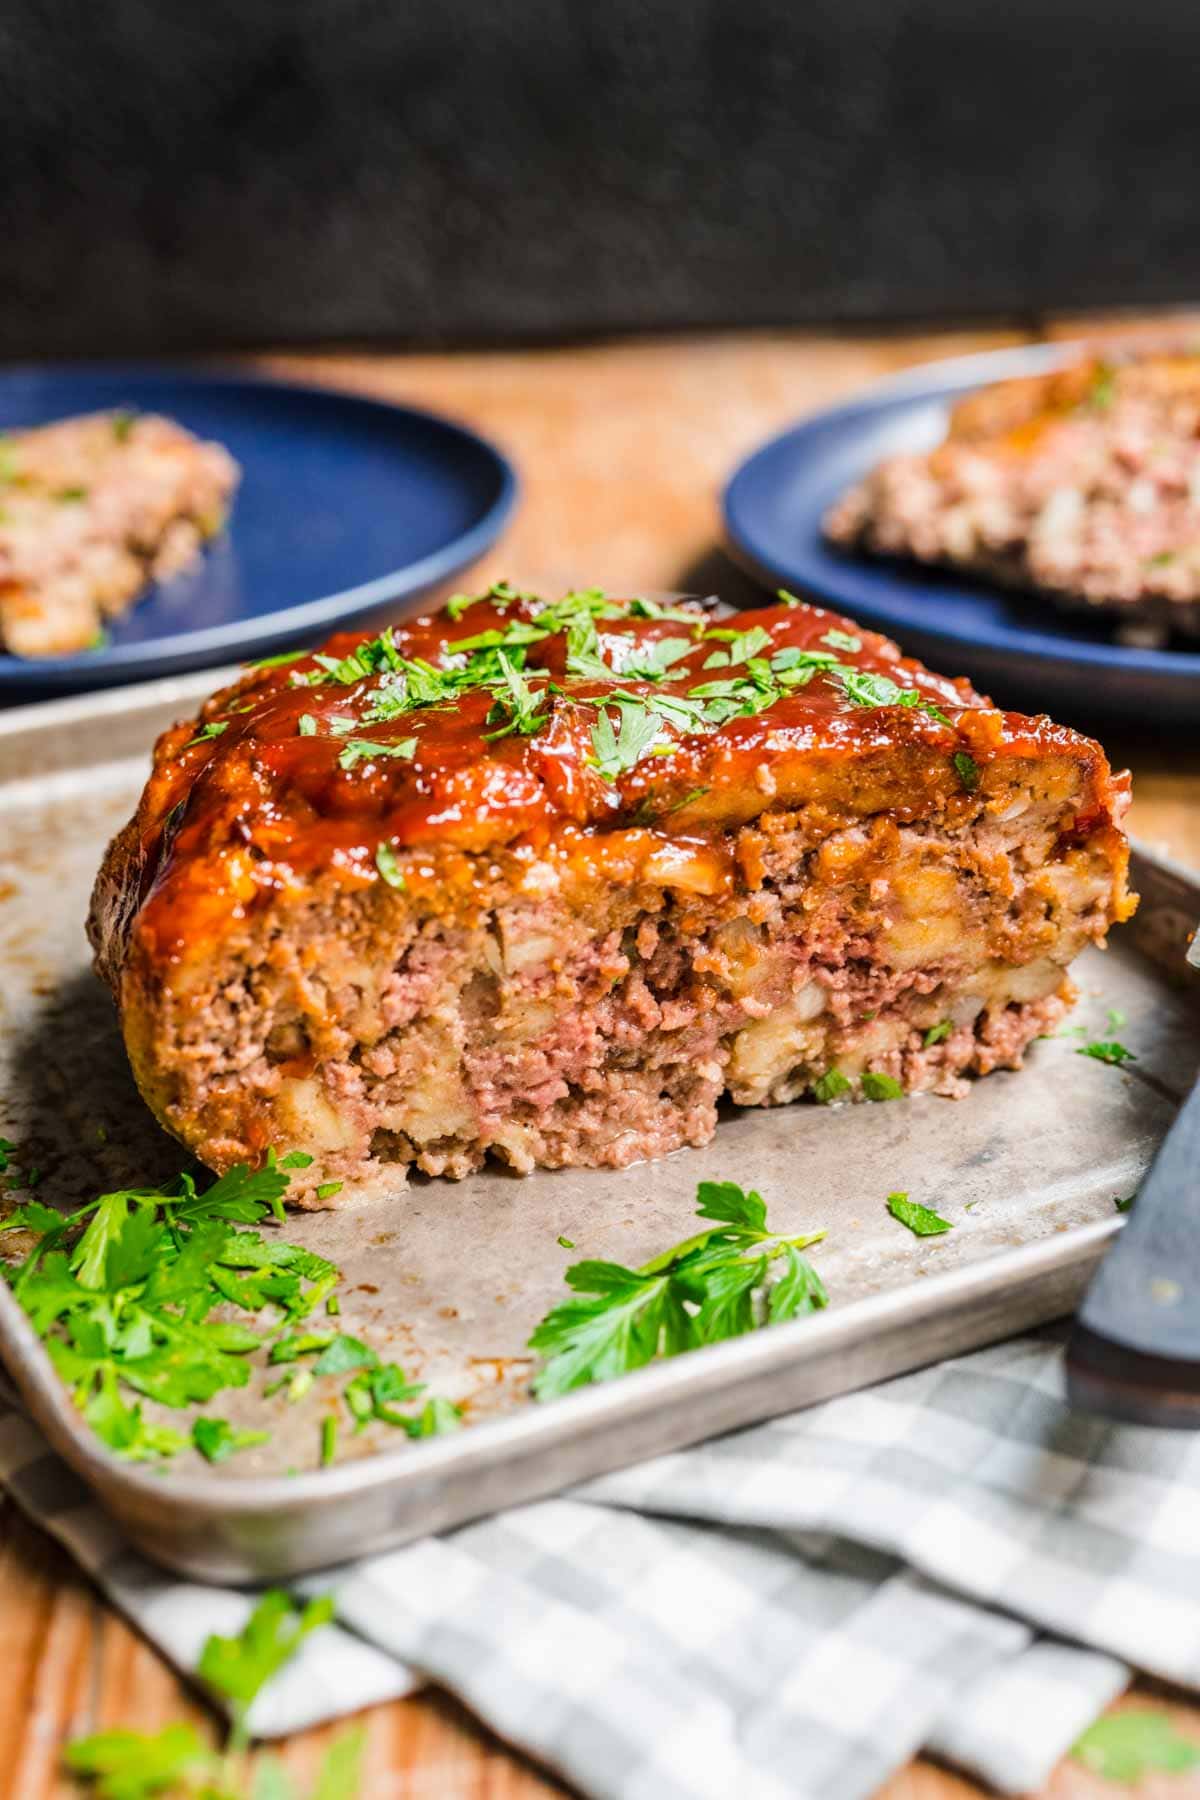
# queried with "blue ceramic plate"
point(1015, 646)
point(348, 509)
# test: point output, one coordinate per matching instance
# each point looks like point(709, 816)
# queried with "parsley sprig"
point(133, 1765)
point(714, 1285)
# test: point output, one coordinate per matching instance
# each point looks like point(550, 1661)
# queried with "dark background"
point(178, 175)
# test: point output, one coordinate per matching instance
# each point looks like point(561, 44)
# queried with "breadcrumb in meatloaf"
point(542, 881)
point(1083, 484)
point(91, 511)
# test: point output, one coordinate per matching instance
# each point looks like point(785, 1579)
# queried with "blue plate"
point(348, 509)
point(1014, 646)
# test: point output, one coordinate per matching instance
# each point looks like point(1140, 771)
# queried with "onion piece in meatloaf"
point(546, 880)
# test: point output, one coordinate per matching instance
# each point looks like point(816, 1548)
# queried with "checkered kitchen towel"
point(951, 1560)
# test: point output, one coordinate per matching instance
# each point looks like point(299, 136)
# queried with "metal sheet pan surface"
point(449, 1278)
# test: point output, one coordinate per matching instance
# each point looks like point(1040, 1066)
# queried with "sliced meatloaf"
point(545, 881)
point(1083, 484)
point(91, 511)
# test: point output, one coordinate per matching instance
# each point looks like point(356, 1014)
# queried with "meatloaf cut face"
point(92, 509)
point(543, 881)
point(1082, 484)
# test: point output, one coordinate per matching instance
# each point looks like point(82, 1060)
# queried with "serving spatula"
point(1134, 1353)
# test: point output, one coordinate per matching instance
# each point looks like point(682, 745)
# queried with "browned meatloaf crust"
point(1083, 484)
point(92, 510)
point(545, 881)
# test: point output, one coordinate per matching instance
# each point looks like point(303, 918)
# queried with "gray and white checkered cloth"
point(952, 1560)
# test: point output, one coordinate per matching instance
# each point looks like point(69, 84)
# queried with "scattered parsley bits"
point(306, 725)
point(217, 1439)
point(328, 1189)
point(831, 1086)
point(566, 1242)
point(880, 1087)
point(389, 868)
point(921, 1220)
point(967, 770)
point(1123, 1202)
point(70, 494)
point(356, 750)
point(213, 729)
point(713, 1286)
point(277, 662)
point(329, 1436)
point(122, 424)
point(841, 640)
point(937, 1034)
point(1111, 1052)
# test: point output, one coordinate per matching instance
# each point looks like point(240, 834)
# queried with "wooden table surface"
point(622, 449)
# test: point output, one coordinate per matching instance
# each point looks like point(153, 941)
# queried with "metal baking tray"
point(448, 1278)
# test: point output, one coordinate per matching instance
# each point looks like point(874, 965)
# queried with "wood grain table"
point(623, 448)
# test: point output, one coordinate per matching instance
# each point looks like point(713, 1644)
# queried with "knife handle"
point(1135, 1350)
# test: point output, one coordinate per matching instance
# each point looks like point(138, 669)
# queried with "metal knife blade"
point(1135, 1351)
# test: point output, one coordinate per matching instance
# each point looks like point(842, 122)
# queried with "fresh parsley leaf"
point(967, 770)
point(340, 1774)
point(937, 1034)
point(710, 1287)
point(517, 706)
point(132, 1765)
point(830, 1086)
point(880, 1087)
point(566, 1242)
point(306, 725)
point(239, 1667)
point(1123, 1202)
point(921, 1220)
point(356, 750)
point(217, 1439)
point(1107, 1052)
point(328, 1189)
point(342, 1354)
point(841, 640)
point(1123, 1746)
point(389, 868)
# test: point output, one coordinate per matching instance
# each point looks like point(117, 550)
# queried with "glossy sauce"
point(260, 805)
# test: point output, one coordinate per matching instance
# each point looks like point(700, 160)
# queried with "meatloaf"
point(545, 880)
point(1082, 484)
point(93, 509)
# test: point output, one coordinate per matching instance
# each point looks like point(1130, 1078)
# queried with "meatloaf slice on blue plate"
point(544, 880)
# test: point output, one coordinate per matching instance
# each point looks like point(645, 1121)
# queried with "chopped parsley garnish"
point(389, 868)
point(306, 725)
point(652, 660)
point(937, 1034)
point(967, 770)
point(713, 1286)
point(880, 1087)
point(1123, 1202)
point(1121, 1747)
point(830, 1086)
point(566, 1242)
point(328, 1189)
point(921, 1220)
point(517, 706)
point(786, 599)
point(277, 662)
point(213, 729)
point(742, 646)
point(217, 1439)
point(356, 750)
point(841, 640)
point(1108, 1052)
point(122, 424)
point(329, 1436)
point(72, 493)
